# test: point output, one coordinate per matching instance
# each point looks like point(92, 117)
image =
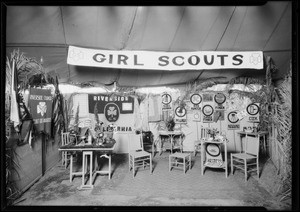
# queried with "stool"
point(108, 156)
point(85, 166)
point(186, 157)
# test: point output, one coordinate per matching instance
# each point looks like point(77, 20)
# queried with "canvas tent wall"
point(48, 31)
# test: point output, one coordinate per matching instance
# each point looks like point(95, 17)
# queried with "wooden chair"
point(174, 161)
point(203, 134)
point(136, 154)
point(65, 157)
point(248, 159)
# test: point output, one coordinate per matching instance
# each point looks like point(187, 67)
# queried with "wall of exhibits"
point(226, 112)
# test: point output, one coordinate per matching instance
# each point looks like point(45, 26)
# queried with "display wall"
point(228, 113)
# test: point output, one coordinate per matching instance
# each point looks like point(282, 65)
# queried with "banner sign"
point(40, 104)
point(164, 60)
point(111, 107)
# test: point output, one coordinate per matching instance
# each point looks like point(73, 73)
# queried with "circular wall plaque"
point(232, 117)
point(220, 98)
point(213, 150)
point(166, 99)
point(196, 99)
point(252, 109)
point(207, 110)
point(180, 111)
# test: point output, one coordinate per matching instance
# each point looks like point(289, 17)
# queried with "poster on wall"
point(180, 115)
point(207, 111)
point(208, 97)
point(196, 115)
point(233, 121)
point(196, 99)
point(253, 112)
point(166, 101)
point(220, 99)
point(111, 107)
point(40, 105)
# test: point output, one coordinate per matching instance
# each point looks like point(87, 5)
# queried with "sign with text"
point(253, 112)
point(111, 106)
point(40, 105)
point(164, 60)
point(233, 121)
point(207, 111)
point(180, 115)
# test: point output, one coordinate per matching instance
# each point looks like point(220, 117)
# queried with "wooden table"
point(105, 151)
point(256, 135)
point(171, 135)
point(204, 143)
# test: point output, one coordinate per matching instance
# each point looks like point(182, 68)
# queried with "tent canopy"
point(47, 31)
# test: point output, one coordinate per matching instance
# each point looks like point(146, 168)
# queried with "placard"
point(166, 100)
point(253, 111)
point(233, 121)
point(196, 99)
point(197, 115)
point(118, 100)
point(180, 115)
point(207, 111)
point(213, 155)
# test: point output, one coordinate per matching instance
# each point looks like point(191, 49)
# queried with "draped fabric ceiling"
point(47, 31)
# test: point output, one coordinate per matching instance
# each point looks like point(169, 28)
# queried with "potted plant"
point(170, 123)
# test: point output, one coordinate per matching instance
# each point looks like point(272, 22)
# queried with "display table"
point(213, 157)
point(256, 135)
point(104, 150)
point(171, 135)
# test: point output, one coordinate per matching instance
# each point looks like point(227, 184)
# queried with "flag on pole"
point(14, 106)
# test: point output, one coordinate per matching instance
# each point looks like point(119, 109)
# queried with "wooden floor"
point(162, 188)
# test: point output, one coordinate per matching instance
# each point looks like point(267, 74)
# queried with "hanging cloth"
point(40, 104)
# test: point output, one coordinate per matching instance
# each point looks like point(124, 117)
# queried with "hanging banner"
point(121, 104)
point(253, 111)
point(233, 121)
point(40, 104)
point(164, 60)
point(180, 115)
